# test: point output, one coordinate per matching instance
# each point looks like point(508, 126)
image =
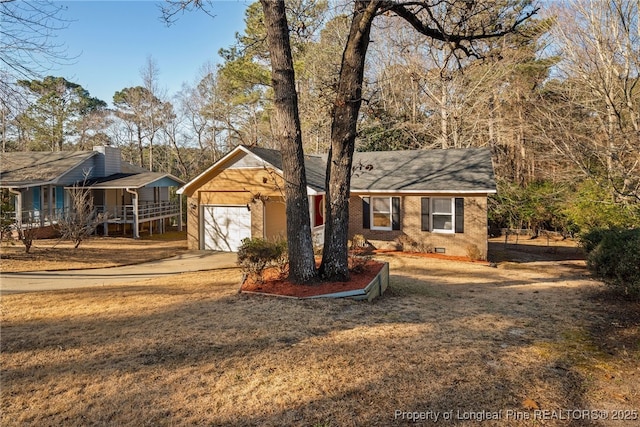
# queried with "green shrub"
point(255, 255)
point(592, 205)
point(589, 241)
point(613, 256)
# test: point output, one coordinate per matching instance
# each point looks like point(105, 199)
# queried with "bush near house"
point(255, 255)
point(613, 256)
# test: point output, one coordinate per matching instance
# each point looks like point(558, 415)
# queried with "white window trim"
point(371, 212)
point(453, 215)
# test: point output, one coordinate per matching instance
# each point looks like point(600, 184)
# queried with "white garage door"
point(225, 227)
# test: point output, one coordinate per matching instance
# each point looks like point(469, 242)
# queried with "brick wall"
point(475, 226)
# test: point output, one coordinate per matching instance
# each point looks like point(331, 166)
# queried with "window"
point(381, 213)
point(442, 214)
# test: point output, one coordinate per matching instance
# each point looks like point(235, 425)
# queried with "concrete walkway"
point(32, 281)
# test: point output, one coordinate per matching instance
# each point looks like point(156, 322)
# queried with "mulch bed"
point(273, 284)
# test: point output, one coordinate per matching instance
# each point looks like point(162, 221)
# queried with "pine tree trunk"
point(288, 134)
point(343, 134)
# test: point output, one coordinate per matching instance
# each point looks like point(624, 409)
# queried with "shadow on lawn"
point(522, 252)
point(422, 347)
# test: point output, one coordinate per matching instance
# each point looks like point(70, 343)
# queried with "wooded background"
point(558, 104)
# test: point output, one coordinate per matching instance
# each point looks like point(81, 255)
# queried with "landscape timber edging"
point(374, 289)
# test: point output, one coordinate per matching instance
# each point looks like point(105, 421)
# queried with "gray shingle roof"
point(25, 169)
point(314, 165)
point(453, 170)
point(34, 168)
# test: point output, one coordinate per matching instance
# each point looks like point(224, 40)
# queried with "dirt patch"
point(96, 252)
point(273, 284)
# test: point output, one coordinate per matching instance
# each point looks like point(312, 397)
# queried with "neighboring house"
point(133, 198)
point(434, 198)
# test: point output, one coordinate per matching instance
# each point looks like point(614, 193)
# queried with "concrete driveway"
point(32, 281)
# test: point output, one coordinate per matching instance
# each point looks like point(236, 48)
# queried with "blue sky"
point(113, 39)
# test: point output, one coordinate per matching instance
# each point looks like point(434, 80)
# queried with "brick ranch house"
point(435, 198)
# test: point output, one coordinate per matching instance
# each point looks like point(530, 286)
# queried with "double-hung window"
point(381, 213)
point(442, 218)
point(442, 214)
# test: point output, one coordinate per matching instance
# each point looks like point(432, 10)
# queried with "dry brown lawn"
point(447, 336)
point(95, 252)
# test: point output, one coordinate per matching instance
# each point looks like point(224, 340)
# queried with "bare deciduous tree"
point(600, 49)
point(82, 219)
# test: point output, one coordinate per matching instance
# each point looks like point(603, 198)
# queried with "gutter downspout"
point(18, 206)
point(136, 231)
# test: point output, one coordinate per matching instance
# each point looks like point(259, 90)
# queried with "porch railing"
point(34, 218)
point(146, 211)
point(123, 213)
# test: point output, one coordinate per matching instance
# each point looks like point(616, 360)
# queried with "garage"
point(224, 227)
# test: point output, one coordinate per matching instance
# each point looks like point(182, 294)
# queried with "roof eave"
point(426, 191)
point(138, 186)
point(30, 185)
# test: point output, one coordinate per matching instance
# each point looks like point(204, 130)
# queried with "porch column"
point(17, 206)
point(50, 199)
point(180, 216)
point(41, 207)
point(134, 200)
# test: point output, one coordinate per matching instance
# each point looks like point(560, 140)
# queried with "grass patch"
point(190, 350)
point(96, 252)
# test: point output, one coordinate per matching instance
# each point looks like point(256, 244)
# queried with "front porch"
point(154, 216)
point(151, 216)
